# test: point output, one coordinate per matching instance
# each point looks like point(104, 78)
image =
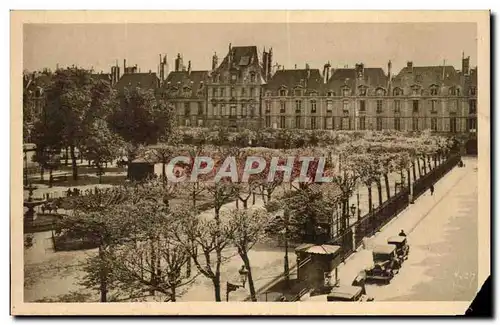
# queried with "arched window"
point(397, 91)
point(345, 91)
point(380, 92)
point(252, 76)
point(434, 90)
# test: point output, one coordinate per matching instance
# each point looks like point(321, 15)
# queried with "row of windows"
point(362, 106)
point(231, 110)
point(235, 77)
point(233, 92)
point(362, 91)
point(346, 123)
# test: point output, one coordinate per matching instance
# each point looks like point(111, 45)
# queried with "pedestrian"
point(432, 189)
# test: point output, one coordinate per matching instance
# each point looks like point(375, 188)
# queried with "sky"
point(99, 46)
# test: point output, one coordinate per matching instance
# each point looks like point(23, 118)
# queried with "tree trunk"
point(414, 171)
point(163, 173)
point(153, 266)
point(216, 283)
point(100, 170)
point(173, 293)
point(424, 166)
point(379, 190)
point(73, 162)
point(66, 157)
point(253, 198)
point(51, 179)
point(429, 162)
point(435, 161)
point(246, 261)
point(369, 186)
point(103, 276)
point(419, 169)
point(387, 186)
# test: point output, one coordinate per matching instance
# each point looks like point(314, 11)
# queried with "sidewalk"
point(406, 220)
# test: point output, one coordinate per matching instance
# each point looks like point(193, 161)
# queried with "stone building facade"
point(439, 98)
point(186, 90)
point(234, 88)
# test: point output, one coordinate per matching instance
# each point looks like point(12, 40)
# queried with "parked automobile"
point(402, 247)
point(348, 293)
point(385, 264)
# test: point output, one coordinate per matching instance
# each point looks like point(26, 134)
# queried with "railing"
point(372, 222)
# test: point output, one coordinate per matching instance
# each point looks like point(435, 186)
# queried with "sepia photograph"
point(251, 158)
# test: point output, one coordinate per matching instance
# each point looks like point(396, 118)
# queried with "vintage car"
point(347, 293)
point(402, 248)
point(385, 264)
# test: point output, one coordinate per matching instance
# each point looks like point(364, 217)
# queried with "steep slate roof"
point(242, 56)
point(142, 80)
point(426, 76)
point(180, 79)
point(311, 79)
point(372, 77)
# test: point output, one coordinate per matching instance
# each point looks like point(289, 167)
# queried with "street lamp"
point(243, 275)
point(353, 210)
point(233, 287)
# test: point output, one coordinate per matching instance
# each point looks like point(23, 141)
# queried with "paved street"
point(442, 234)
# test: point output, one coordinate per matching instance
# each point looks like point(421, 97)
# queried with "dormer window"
point(268, 94)
point(380, 92)
point(472, 91)
point(452, 91)
point(282, 92)
point(252, 76)
point(234, 77)
point(313, 93)
point(331, 94)
point(415, 90)
point(186, 89)
point(345, 92)
point(434, 90)
point(215, 78)
point(397, 92)
point(298, 92)
point(362, 91)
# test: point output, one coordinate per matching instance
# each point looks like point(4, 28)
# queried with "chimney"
point(360, 70)
point(265, 58)
point(326, 73)
point(389, 66)
point(178, 63)
point(124, 65)
point(189, 67)
point(269, 63)
point(215, 61)
point(409, 65)
point(465, 65)
point(444, 64)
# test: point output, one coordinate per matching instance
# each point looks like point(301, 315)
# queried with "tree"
point(97, 217)
point(247, 228)
point(152, 260)
point(141, 118)
point(101, 145)
point(206, 235)
point(69, 98)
